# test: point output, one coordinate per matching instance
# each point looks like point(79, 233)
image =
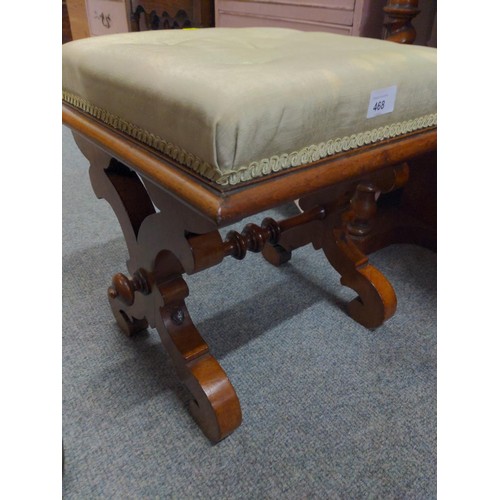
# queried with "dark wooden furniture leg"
point(154, 294)
point(354, 226)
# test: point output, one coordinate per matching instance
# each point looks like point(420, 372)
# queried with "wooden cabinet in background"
point(347, 17)
point(138, 15)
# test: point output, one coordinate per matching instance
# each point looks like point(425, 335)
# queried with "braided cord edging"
point(255, 169)
point(316, 152)
point(171, 150)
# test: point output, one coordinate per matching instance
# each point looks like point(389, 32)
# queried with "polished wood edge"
point(226, 207)
point(318, 176)
point(179, 183)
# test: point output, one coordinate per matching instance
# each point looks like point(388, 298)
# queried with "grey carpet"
point(330, 409)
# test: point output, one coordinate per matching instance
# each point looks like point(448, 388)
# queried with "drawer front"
point(327, 4)
point(228, 20)
point(318, 15)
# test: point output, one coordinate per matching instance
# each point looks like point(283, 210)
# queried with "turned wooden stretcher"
point(353, 203)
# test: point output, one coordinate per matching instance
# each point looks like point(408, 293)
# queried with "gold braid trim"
point(171, 150)
point(255, 169)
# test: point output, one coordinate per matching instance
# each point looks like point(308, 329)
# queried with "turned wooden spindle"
point(400, 14)
point(363, 208)
point(124, 288)
point(253, 238)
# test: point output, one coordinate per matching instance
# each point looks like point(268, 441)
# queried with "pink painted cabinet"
point(348, 17)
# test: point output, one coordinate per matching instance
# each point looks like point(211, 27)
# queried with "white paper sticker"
point(382, 101)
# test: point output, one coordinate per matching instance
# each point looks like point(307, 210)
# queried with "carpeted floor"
point(330, 409)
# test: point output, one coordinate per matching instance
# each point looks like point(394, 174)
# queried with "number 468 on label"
point(382, 101)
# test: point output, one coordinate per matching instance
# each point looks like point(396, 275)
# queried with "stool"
point(189, 131)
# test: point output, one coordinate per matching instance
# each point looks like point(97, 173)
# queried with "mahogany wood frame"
point(353, 203)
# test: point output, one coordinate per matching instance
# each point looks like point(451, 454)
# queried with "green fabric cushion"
point(235, 104)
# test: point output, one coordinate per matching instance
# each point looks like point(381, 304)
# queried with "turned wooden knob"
point(124, 288)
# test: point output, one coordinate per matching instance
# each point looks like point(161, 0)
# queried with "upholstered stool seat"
point(237, 104)
point(189, 131)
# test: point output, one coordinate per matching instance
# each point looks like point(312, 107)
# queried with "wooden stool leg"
point(350, 214)
point(376, 301)
point(215, 405)
point(154, 294)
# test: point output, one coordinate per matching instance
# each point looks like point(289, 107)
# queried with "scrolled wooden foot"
point(215, 405)
point(376, 301)
point(128, 325)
